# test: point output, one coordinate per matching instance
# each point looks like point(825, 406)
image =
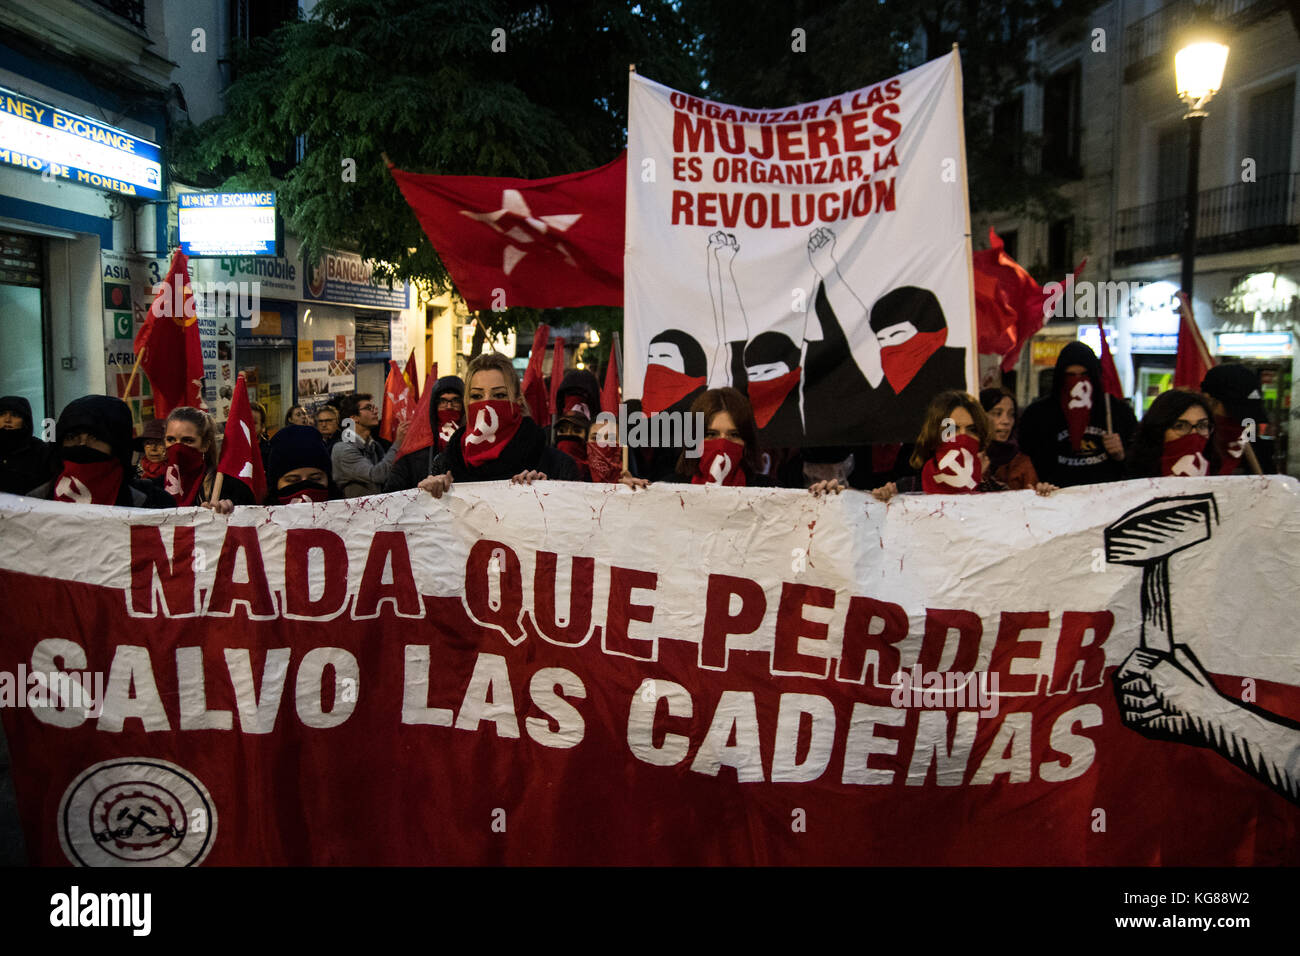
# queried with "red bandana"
point(955, 468)
point(493, 423)
point(1228, 438)
point(302, 491)
point(152, 469)
point(576, 403)
point(1185, 457)
point(605, 461)
point(89, 483)
point(902, 362)
point(184, 475)
point(766, 397)
point(448, 422)
point(1076, 405)
point(663, 388)
point(720, 464)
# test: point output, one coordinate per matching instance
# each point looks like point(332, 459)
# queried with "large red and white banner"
point(570, 673)
point(815, 256)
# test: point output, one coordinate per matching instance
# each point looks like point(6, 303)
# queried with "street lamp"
point(1198, 71)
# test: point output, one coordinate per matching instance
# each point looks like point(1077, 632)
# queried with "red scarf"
point(901, 362)
point(1227, 436)
point(89, 483)
point(576, 449)
point(493, 423)
point(766, 397)
point(1076, 404)
point(720, 464)
point(448, 422)
point(152, 469)
point(664, 388)
point(1185, 457)
point(605, 462)
point(955, 468)
point(577, 403)
point(184, 475)
point(302, 491)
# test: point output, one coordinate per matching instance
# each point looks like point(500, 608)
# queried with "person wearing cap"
point(300, 467)
point(25, 460)
point(446, 415)
point(152, 446)
point(1238, 412)
point(94, 447)
point(571, 438)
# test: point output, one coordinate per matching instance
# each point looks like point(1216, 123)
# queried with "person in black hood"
point(300, 467)
point(498, 440)
point(95, 443)
point(1064, 433)
point(579, 391)
point(676, 374)
point(446, 416)
point(25, 460)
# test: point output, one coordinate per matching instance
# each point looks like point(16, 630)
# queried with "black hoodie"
point(411, 467)
point(1045, 436)
point(25, 460)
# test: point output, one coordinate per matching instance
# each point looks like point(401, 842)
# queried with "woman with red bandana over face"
point(300, 468)
point(1174, 438)
point(498, 440)
point(93, 445)
point(192, 463)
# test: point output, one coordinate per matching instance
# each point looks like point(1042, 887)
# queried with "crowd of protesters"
point(484, 431)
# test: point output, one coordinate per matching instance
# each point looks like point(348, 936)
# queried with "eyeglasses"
point(1182, 427)
point(449, 403)
point(367, 407)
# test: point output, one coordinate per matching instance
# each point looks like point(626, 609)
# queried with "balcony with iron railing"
point(1148, 41)
point(1240, 216)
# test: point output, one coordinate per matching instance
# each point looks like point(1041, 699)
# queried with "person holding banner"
point(1072, 437)
point(300, 468)
point(94, 445)
point(1007, 462)
point(191, 439)
point(1174, 438)
point(446, 415)
point(498, 440)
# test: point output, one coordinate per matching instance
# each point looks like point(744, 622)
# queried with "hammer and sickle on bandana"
point(719, 470)
point(448, 429)
point(1235, 448)
point(485, 427)
point(1081, 395)
point(71, 489)
point(172, 481)
point(957, 468)
point(1191, 466)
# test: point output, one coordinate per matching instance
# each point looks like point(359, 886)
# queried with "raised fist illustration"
point(821, 251)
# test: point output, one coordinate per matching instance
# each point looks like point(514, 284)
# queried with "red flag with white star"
point(240, 456)
point(539, 243)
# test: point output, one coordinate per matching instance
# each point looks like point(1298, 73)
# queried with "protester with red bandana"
point(498, 439)
point(152, 446)
point(191, 473)
point(605, 456)
point(571, 438)
point(446, 415)
point(1239, 416)
point(1064, 432)
point(1174, 438)
point(94, 447)
point(300, 468)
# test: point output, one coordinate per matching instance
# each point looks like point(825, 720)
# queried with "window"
point(1061, 124)
point(1060, 246)
point(1008, 127)
point(1268, 143)
point(1011, 242)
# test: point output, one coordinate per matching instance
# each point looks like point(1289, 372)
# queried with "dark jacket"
point(527, 451)
point(25, 460)
point(134, 493)
point(1045, 436)
point(413, 466)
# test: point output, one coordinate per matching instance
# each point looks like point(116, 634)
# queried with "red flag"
point(539, 405)
point(413, 376)
point(996, 318)
point(399, 404)
point(168, 343)
point(1109, 373)
point(1194, 358)
point(609, 395)
point(420, 434)
point(241, 457)
point(557, 376)
point(541, 243)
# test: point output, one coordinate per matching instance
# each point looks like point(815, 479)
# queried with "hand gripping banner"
point(573, 674)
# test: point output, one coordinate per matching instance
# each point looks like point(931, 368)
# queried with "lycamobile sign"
point(48, 140)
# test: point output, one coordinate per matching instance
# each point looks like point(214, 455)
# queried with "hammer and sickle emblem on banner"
point(71, 489)
point(957, 468)
point(1191, 466)
point(719, 470)
point(172, 481)
point(485, 427)
point(1081, 395)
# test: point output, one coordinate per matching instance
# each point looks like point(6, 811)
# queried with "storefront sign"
point(47, 140)
point(1154, 342)
point(1265, 292)
point(1043, 352)
point(1253, 343)
point(227, 224)
point(345, 278)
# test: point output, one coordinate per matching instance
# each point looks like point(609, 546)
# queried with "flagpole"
point(1251, 459)
point(135, 370)
point(1110, 426)
point(216, 488)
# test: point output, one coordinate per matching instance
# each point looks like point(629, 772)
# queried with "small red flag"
point(420, 434)
point(609, 395)
point(1194, 358)
point(541, 243)
point(413, 376)
point(241, 458)
point(1109, 373)
point(539, 405)
point(168, 343)
point(557, 376)
point(399, 404)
